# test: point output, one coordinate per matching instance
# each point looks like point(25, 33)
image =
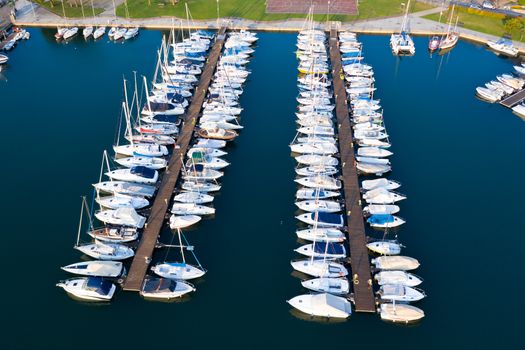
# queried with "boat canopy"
point(143, 171)
point(166, 118)
point(327, 217)
point(381, 219)
point(98, 284)
point(329, 248)
point(159, 285)
point(329, 304)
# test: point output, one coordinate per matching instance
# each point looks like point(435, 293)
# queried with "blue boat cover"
point(328, 218)
point(380, 219)
point(329, 248)
point(99, 284)
point(143, 171)
point(166, 118)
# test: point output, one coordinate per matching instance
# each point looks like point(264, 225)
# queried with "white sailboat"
point(401, 43)
point(322, 305)
point(97, 268)
point(336, 286)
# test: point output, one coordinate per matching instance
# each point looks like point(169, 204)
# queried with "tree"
point(513, 24)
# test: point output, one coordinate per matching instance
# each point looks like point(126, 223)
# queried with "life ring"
point(356, 282)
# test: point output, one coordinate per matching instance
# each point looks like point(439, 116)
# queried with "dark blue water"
point(459, 159)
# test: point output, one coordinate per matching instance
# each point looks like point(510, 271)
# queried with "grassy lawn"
point(479, 23)
point(55, 6)
point(254, 9)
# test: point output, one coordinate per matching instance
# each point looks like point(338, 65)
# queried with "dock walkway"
point(361, 276)
point(156, 220)
point(513, 99)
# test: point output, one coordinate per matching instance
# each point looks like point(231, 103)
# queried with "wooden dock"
point(6, 40)
point(360, 265)
point(513, 99)
point(142, 259)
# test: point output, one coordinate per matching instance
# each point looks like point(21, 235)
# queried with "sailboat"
point(322, 305)
point(179, 270)
point(96, 268)
point(401, 43)
point(452, 36)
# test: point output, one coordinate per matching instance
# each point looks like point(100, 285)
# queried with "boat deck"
point(513, 99)
point(160, 206)
point(360, 265)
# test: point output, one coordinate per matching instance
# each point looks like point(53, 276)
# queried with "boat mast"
point(137, 101)
point(147, 93)
point(181, 246)
point(127, 112)
point(80, 221)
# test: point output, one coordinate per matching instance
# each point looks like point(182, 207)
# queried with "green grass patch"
point(254, 10)
point(71, 11)
point(483, 24)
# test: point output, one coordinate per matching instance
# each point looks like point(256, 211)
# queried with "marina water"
point(460, 162)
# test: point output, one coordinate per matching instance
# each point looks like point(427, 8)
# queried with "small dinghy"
point(321, 235)
point(122, 216)
point(307, 193)
point(177, 222)
point(191, 209)
point(329, 250)
point(321, 219)
point(373, 152)
point(382, 196)
point(123, 187)
point(148, 162)
point(372, 168)
point(380, 209)
point(395, 262)
point(89, 288)
point(322, 305)
point(320, 181)
point(316, 170)
point(122, 201)
point(200, 186)
point(385, 248)
point(115, 234)
point(400, 313)
point(177, 271)
point(397, 277)
point(385, 221)
point(164, 288)
point(323, 206)
point(193, 197)
point(380, 183)
point(337, 286)
point(320, 268)
point(314, 159)
point(96, 268)
point(106, 251)
point(398, 292)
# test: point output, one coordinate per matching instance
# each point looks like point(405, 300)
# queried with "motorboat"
point(87, 32)
point(148, 162)
point(193, 197)
point(96, 268)
point(488, 94)
point(322, 305)
point(131, 33)
point(217, 133)
point(99, 32)
point(373, 152)
point(336, 286)
point(323, 206)
point(69, 33)
point(177, 271)
point(3, 59)
point(121, 201)
point(503, 46)
point(385, 247)
point(397, 277)
point(106, 251)
point(122, 187)
point(122, 216)
point(400, 313)
point(321, 235)
point(320, 268)
point(328, 250)
point(395, 262)
point(314, 159)
point(138, 173)
point(368, 185)
point(398, 292)
point(519, 110)
point(164, 288)
point(319, 181)
point(119, 34)
point(114, 234)
point(191, 209)
point(178, 222)
point(385, 221)
point(111, 32)
point(315, 194)
point(380, 209)
point(89, 288)
point(382, 196)
point(434, 43)
point(322, 219)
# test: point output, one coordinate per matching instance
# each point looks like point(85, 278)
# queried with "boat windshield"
point(98, 284)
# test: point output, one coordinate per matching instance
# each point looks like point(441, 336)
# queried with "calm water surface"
point(460, 161)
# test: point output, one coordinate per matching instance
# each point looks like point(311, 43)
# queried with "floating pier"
point(156, 220)
point(6, 40)
point(513, 99)
point(360, 265)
